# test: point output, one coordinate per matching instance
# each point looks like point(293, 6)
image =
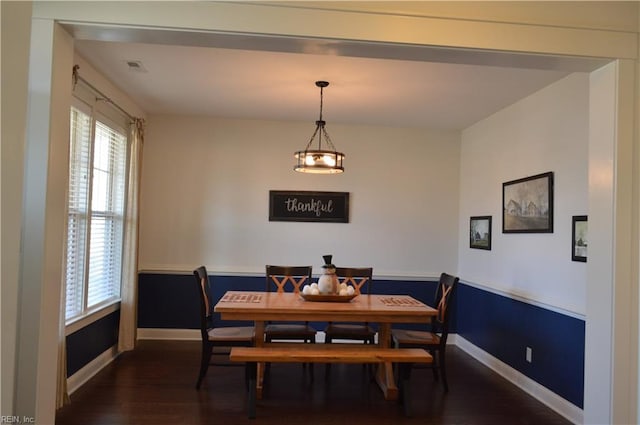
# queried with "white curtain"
point(129, 291)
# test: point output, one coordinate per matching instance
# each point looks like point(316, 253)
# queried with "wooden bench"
point(329, 353)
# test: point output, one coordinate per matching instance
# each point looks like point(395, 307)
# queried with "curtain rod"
point(104, 97)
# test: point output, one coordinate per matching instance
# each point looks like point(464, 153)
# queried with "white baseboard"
point(79, 378)
point(528, 385)
point(177, 334)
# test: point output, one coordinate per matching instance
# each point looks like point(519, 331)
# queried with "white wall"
point(547, 131)
point(16, 28)
point(610, 280)
point(599, 327)
point(205, 186)
point(43, 220)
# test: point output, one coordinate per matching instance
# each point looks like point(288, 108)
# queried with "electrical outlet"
point(529, 354)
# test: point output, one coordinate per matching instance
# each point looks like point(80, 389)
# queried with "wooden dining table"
point(383, 310)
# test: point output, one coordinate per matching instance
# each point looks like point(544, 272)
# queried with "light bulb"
point(308, 160)
point(329, 160)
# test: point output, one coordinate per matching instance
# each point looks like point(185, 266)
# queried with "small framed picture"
point(480, 232)
point(579, 238)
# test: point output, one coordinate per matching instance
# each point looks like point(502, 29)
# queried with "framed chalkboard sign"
point(331, 207)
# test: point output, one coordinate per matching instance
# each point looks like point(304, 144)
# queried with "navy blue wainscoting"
point(87, 343)
point(170, 301)
point(504, 327)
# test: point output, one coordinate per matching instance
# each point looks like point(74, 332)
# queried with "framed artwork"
point(480, 232)
point(527, 205)
point(579, 238)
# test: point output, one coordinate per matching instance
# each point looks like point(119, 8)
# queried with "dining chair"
point(435, 339)
point(288, 279)
point(214, 336)
point(361, 279)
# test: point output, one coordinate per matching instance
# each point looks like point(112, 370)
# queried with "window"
point(96, 213)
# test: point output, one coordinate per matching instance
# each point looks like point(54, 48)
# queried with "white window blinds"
point(96, 206)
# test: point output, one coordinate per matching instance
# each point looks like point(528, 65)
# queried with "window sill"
point(93, 315)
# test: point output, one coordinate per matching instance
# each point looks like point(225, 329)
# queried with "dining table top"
point(265, 306)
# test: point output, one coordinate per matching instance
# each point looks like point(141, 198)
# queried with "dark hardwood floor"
point(155, 384)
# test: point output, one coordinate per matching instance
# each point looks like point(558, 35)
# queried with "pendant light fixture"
point(319, 161)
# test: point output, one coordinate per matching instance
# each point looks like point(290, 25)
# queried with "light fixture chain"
point(312, 137)
point(321, 123)
point(328, 139)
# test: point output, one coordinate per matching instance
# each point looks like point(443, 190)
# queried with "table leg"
point(259, 342)
point(251, 403)
point(404, 372)
point(384, 375)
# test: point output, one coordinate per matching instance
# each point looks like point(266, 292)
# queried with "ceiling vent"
point(136, 66)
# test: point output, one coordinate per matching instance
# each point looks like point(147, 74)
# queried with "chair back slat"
point(203, 287)
point(297, 276)
point(204, 282)
point(357, 277)
point(357, 283)
point(442, 304)
point(444, 295)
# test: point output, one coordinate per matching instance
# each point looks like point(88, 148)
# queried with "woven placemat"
point(242, 298)
point(400, 302)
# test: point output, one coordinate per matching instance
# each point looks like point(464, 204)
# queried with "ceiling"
point(383, 89)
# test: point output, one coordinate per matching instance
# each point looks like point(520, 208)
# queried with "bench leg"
point(252, 372)
point(404, 398)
